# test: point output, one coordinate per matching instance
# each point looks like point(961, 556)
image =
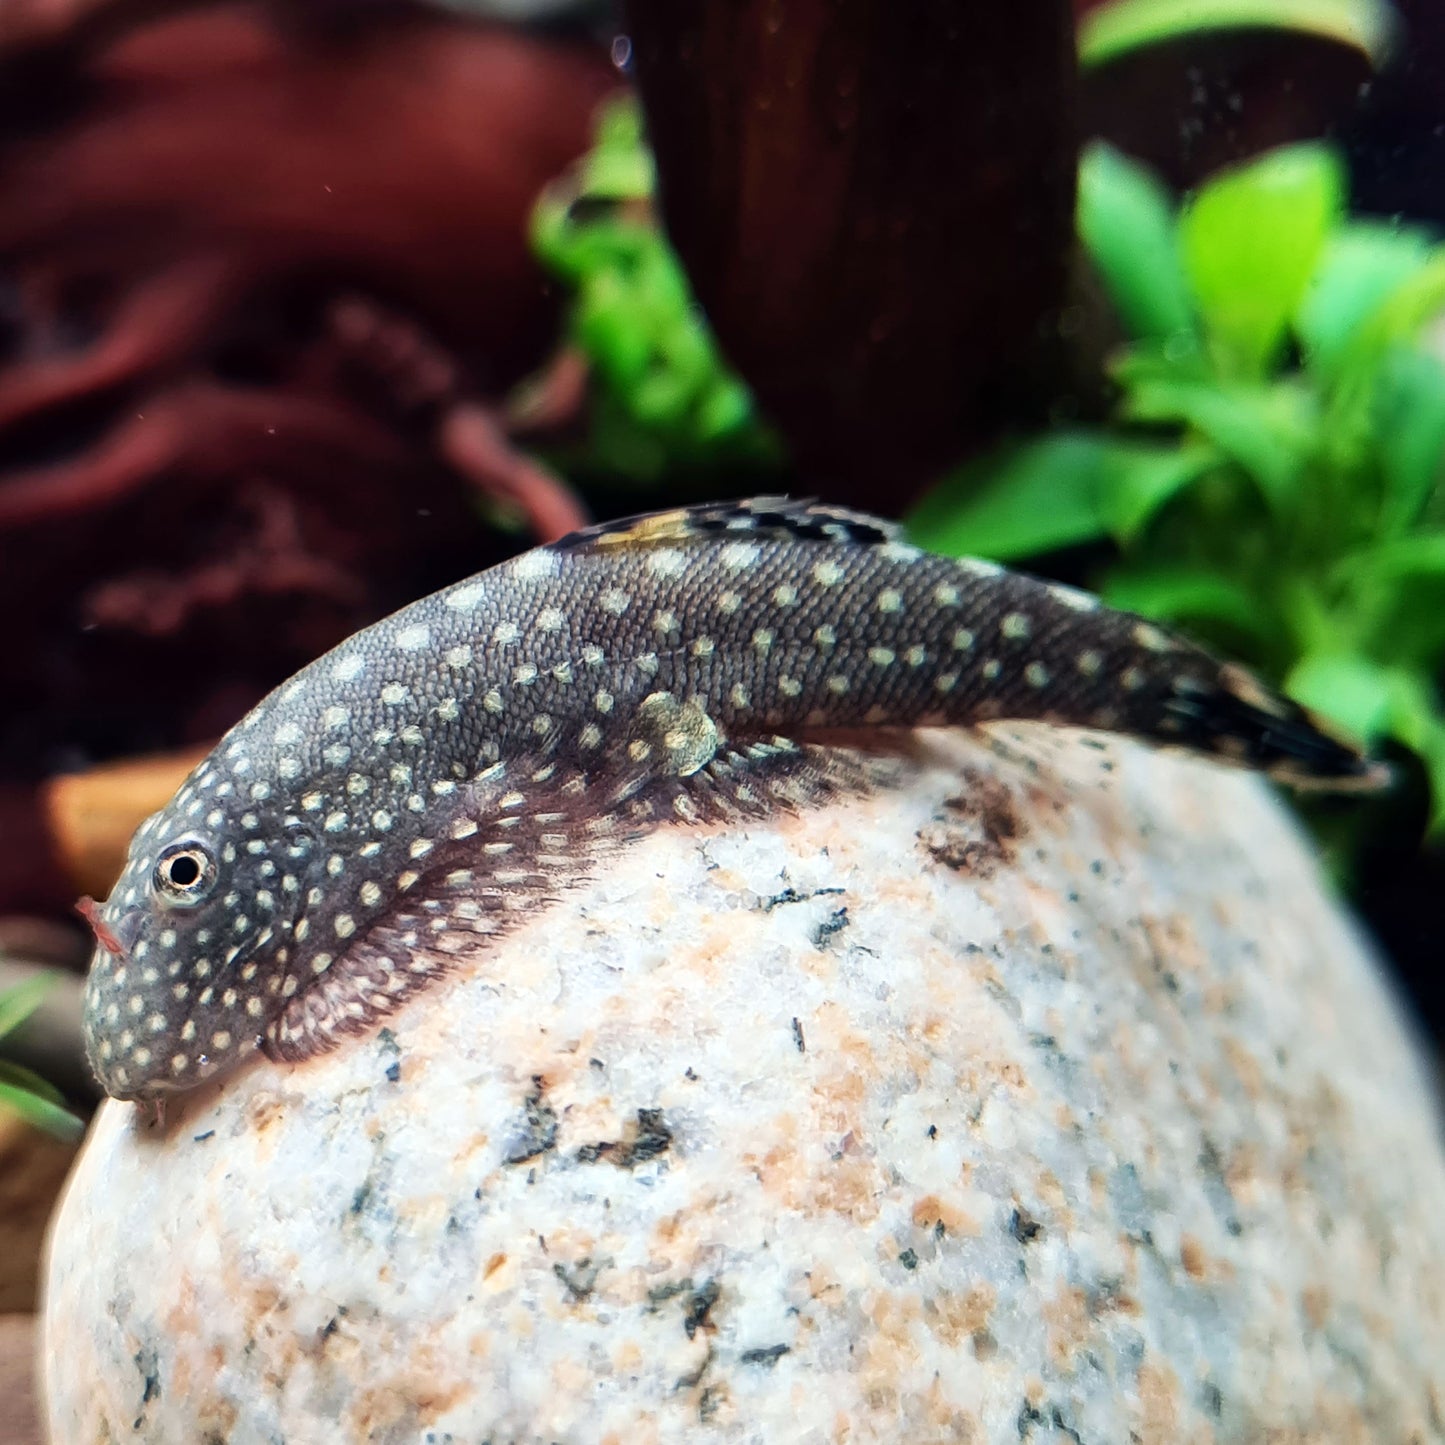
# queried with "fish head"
point(190, 963)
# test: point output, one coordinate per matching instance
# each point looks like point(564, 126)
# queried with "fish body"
point(445, 771)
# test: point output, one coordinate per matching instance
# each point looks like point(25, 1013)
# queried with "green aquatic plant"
point(1271, 478)
point(1125, 26)
point(22, 1090)
point(662, 400)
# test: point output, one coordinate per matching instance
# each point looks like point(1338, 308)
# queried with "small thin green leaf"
point(1401, 316)
point(1251, 238)
point(1137, 483)
point(1362, 264)
point(1422, 555)
point(1021, 501)
point(1189, 596)
point(35, 1101)
point(1126, 219)
point(1409, 426)
point(1177, 359)
point(1396, 593)
point(1356, 692)
point(1267, 431)
point(19, 1002)
point(1118, 29)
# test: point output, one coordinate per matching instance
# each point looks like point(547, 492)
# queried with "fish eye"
point(184, 873)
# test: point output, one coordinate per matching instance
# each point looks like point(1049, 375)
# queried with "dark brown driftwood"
point(874, 201)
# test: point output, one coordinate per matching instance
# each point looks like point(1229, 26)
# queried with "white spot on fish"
point(458, 657)
point(335, 717)
point(288, 733)
point(667, 562)
point(737, 555)
point(395, 693)
point(370, 894)
point(1072, 598)
point(348, 668)
point(614, 601)
point(536, 564)
point(466, 597)
point(1016, 627)
point(1153, 639)
point(414, 638)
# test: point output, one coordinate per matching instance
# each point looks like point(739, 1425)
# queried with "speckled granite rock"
point(1036, 1101)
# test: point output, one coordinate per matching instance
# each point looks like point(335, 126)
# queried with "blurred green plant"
point(21, 1090)
point(1271, 480)
point(662, 400)
point(1125, 26)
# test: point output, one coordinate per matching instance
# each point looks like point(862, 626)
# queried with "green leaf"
point(1136, 483)
point(1409, 426)
point(1268, 431)
point(620, 167)
point(1396, 597)
point(1356, 692)
point(1126, 219)
point(1021, 501)
point(1188, 595)
point(1422, 555)
point(1251, 238)
point(1403, 314)
point(1363, 263)
point(1117, 29)
point(35, 1101)
point(18, 1003)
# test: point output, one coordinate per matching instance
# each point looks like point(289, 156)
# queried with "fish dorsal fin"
point(757, 518)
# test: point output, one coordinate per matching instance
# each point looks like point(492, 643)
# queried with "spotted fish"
point(445, 772)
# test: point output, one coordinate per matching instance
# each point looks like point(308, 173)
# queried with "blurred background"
point(310, 307)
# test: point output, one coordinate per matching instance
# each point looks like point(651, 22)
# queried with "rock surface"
point(19, 1415)
point(1045, 1098)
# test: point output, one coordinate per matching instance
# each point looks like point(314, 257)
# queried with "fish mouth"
point(117, 939)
